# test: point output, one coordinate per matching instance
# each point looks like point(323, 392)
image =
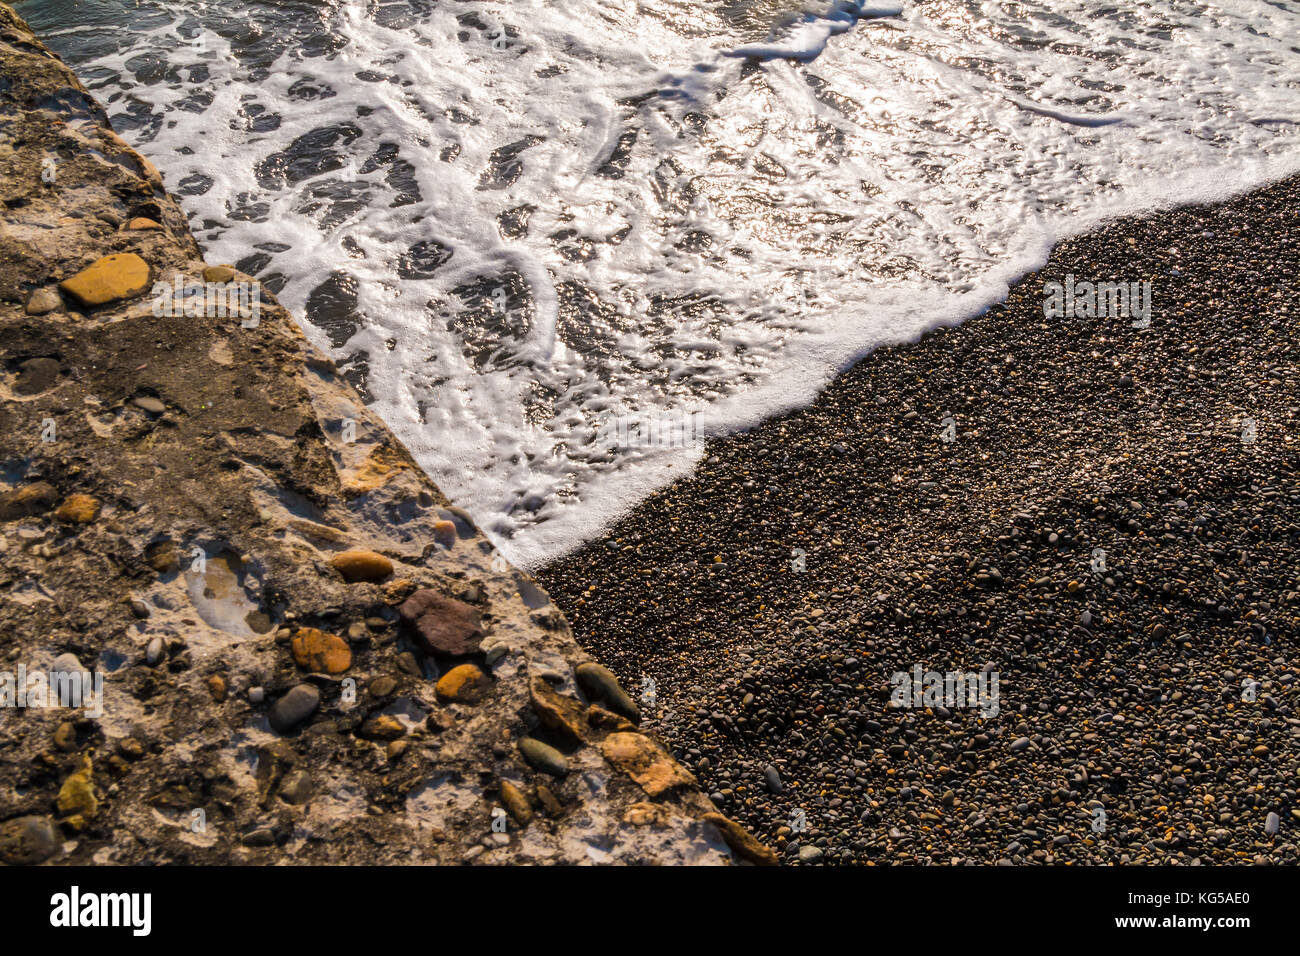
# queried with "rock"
point(603, 719)
point(77, 801)
point(26, 841)
point(599, 683)
point(809, 854)
point(465, 684)
point(27, 500)
point(646, 814)
point(68, 663)
point(154, 652)
point(1272, 823)
point(140, 223)
point(557, 711)
point(1021, 743)
point(516, 803)
point(43, 301)
point(441, 624)
point(444, 533)
point(645, 762)
point(294, 707)
point(216, 685)
point(115, 277)
point(78, 509)
point(65, 737)
point(162, 556)
point(382, 686)
point(741, 841)
point(543, 757)
point(219, 274)
point(320, 653)
point(130, 748)
point(256, 695)
point(149, 404)
point(772, 777)
point(259, 836)
point(361, 565)
point(35, 375)
point(139, 609)
point(296, 788)
point(382, 727)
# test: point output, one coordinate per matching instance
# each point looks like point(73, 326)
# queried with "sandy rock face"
point(285, 674)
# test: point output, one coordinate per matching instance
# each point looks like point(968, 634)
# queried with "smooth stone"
point(598, 682)
point(516, 803)
point(1272, 823)
point(543, 757)
point(772, 777)
point(141, 223)
point(43, 301)
point(1020, 744)
point(218, 274)
point(809, 854)
point(154, 652)
point(115, 277)
point(150, 404)
point(296, 788)
point(361, 565)
point(382, 686)
point(294, 707)
point(465, 684)
point(67, 663)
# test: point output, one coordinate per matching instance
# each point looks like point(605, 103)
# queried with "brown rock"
point(162, 556)
point(65, 736)
point(114, 277)
point(78, 509)
point(465, 684)
point(645, 762)
point(43, 301)
point(516, 803)
point(217, 687)
point(34, 499)
point(382, 727)
point(741, 840)
point(320, 653)
point(603, 719)
point(557, 711)
point(646, 814)
point(218, 274)
point(441, 624)
point(361, 565)
point(141, 223)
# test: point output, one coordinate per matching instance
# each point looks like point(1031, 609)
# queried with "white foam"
point(864, 174)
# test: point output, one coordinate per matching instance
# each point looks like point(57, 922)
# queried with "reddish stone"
point(440, 624)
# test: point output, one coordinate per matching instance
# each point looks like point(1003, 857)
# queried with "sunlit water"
point(512, 221)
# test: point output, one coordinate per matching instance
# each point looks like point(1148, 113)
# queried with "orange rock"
point(139, 222)
point(78, 509)
point(319, 652)
point(741, 841)
point(645, 762)
point(111, 278)
point(361, 565)
point(557, 711)
point(218, 273)
point(465, 684)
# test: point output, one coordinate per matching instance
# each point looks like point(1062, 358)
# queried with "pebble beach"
point(1101, 515)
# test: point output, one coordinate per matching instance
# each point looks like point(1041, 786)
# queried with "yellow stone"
point(361, 565)
point(218, 273)
point(517, 805)
point(77, 800)
point(320, 653)
point(465, 684)
point(645, 762)
point(139, 222)
point(114, 277)
point(78, 509)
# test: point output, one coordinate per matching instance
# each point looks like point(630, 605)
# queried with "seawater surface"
point(514, 223)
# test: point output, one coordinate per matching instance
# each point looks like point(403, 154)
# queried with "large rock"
point(111, 278)
point(645, 762)
point(319, 652)
point(441, 624)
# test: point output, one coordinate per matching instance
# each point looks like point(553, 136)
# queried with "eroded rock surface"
point(308, 655)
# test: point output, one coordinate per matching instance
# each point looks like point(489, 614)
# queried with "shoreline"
point(975, 555)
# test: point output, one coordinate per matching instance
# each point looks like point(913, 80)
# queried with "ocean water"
point(517, 224)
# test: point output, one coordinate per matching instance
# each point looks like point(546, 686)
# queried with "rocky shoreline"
point(307, 654)
point(1100, 514)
